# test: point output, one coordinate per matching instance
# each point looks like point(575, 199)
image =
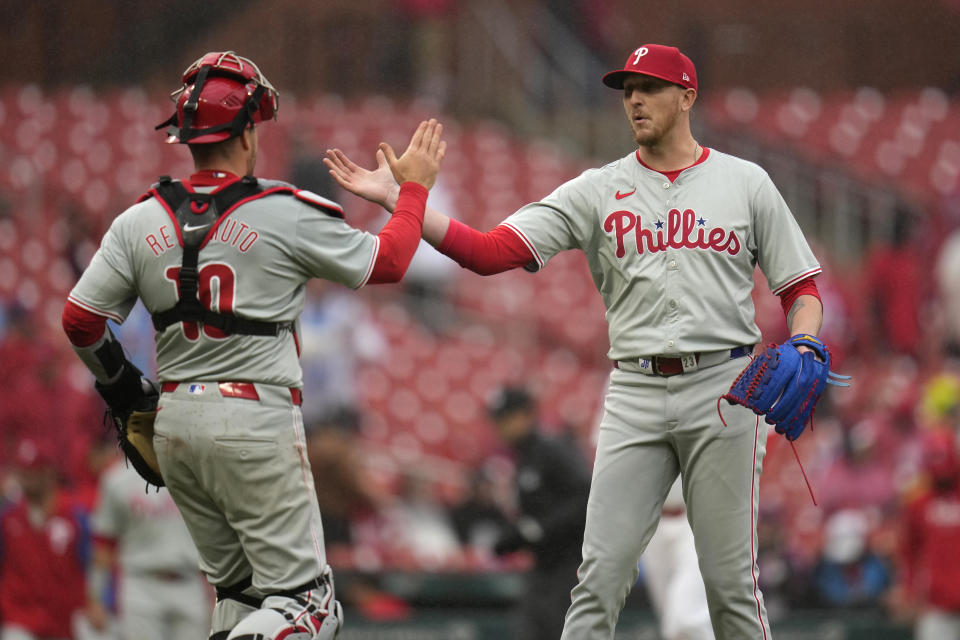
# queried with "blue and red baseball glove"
point(784, 385)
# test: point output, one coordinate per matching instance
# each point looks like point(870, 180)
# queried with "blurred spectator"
point(309, 173)
point(430, 274)
point(940, 401)
point(850, 573)
point(30, 379)
point(419, 534)
point(479, 519)
point(160, 592)
point(337, 335)
point(948, 288)
point(430, 34)
point(672, 574)
point(784, 577)
point(82, 236)
point(897, 285)
point(347, 496)
point(100, 452)
point(860, 477)
point(552, 483)
point(929, 567)
point(139, 338)
point(344, 490)
point(44, 548)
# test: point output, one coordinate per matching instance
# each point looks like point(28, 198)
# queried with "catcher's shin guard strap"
point(235, 592)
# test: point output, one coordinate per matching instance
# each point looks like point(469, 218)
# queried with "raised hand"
point(421, 161)
point(377, 186)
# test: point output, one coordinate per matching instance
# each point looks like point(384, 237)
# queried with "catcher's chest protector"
point(196, 216)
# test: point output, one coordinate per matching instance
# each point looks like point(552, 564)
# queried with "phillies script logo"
point(684, 231)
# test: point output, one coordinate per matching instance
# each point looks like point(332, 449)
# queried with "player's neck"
point(671, 154)
point(234, 168)
point(236, 159)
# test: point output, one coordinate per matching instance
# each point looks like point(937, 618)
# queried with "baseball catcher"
point(221, 259)
point(785, 385)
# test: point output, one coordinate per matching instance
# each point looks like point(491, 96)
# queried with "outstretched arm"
point(498, 250)
point(415, 171)
point(378, 186)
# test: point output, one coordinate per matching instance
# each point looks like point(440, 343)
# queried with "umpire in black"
point(552, 484)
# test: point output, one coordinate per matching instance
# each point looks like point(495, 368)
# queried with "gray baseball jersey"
point(161, 593)
point(225, 454)
point(146, 525)
point(673, 261)
point(255, 265)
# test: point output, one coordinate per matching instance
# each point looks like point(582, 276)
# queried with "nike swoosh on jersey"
point(621, 196)
point(189, 227)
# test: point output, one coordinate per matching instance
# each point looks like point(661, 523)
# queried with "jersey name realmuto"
point(255, 265)
point(674, 262)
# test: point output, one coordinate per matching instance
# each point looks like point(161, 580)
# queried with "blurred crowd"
point(881, 456)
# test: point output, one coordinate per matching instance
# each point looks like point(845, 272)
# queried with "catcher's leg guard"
point(306, 613)
point(277, 623)
point(227, 614)
point(234, 603)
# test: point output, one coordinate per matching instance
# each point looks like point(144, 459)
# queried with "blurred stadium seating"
point(74, 156)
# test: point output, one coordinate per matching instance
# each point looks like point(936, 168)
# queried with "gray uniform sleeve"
point(107, 287)
point(563, 220)
point(782, 251)
point(327, 247)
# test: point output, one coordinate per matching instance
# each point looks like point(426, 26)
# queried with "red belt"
point(237, 390)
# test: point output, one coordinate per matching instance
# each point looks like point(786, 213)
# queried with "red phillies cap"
point(659, 61)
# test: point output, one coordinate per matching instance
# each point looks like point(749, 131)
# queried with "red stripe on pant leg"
point(753, 557)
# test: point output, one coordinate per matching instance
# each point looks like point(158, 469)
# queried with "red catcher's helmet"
point(222, 94)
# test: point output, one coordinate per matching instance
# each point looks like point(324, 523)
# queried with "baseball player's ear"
point(246, 138)
point(689, 97)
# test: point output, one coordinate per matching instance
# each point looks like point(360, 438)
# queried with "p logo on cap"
point(659, 61)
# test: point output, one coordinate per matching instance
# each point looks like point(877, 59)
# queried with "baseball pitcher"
point(220, 260)
point(672, 233)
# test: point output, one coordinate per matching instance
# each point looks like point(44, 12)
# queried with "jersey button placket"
point(672, 314)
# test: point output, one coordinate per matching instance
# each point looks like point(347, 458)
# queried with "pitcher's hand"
point(421, 161)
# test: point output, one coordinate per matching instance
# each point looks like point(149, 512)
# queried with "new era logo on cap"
point(659, 61)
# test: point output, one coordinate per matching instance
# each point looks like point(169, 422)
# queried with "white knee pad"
point(274, 624)
point(312, 614)
point(227, 614)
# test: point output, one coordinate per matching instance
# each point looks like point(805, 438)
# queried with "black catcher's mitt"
point(132, 402)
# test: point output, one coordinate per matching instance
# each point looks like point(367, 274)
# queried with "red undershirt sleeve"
point(806, 287)
point(83, 328)
point(400, 237)
point(495, 251)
